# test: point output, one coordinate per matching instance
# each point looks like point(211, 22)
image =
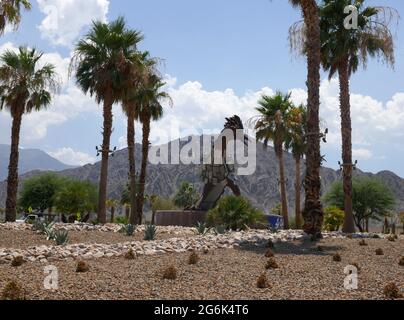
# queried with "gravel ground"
point(304, 273)
point(19, 239)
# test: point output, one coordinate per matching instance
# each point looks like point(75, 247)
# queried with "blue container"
point(275, 222)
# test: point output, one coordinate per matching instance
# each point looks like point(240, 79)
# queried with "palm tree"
point(271, 125)
point(151, 109)
point(131, 104)
point(111, 204)
point(10, 12)
point(103, 63)
point(24, 87)
point(342, 51)
point(296, 142)
point(313, 210)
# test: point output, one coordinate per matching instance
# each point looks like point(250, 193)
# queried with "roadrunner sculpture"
point(218, 177)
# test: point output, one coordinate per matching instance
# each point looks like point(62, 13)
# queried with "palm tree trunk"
point(313, 210)
point(346, 132)
point(107, 130)
point(12, 180)
point(145, 156)
point(282, 182)
point(298, 190)
point(112, 214)
point(132, 169)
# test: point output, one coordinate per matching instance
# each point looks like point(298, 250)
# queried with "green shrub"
point(122, 220)
point(333, 218)
point(186, 195)
point(236, 213)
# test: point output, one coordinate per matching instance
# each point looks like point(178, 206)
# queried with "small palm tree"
point(103, 64)
point(296, 142)
point(10, 12)
point(112, 204)
point(313, 210)
point(150, 97)
point(272, 125)
point(342, 52)
point(24, 87)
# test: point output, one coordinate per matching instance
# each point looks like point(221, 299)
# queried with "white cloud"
point(72, 157)
point(65, 19)
point(362, 154)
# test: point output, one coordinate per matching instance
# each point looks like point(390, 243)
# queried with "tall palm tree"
point(131, 103)
point(103, 67)
point(151, 96)
point(313, 210)
point(10, 12)
point(296, 142)
point(271, 125)
point(24, 87)
point(342, 52)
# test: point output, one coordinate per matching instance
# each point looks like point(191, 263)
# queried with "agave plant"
point(220, 229)
point(150, 233)
point(128, 229)
point(202, 228)
point(61, 237)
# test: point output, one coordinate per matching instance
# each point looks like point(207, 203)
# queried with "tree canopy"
point(372, 199)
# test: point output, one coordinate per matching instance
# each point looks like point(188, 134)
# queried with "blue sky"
point(219, 56)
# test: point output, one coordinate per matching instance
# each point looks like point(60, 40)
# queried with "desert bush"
point(391, 291)
point(170, 273)
point(150, 233)
point(186, 196)
point(193, 258)
point(271, 264)
point(122, 220)
point(82, 267)
point(262, 281)
point(333, 218)
point(13, 292)
point(379, 252)
point(337, 257)
point(236, 213)
point(128, 229)
point(17, 261)
point(130, 255)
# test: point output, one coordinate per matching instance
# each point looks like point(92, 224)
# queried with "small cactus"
point(17, 261)
point(271, 264)
point(379, 252)
point(82, 267)
point(391, 291)
point(193, 258)
point(262, 282)
point(170, 273)
point(128, 230)
point(363, 243)
point(130, 255)
point(13, 292)
point(61, 237)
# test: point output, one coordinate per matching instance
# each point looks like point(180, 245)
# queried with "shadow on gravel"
point(299, 247)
